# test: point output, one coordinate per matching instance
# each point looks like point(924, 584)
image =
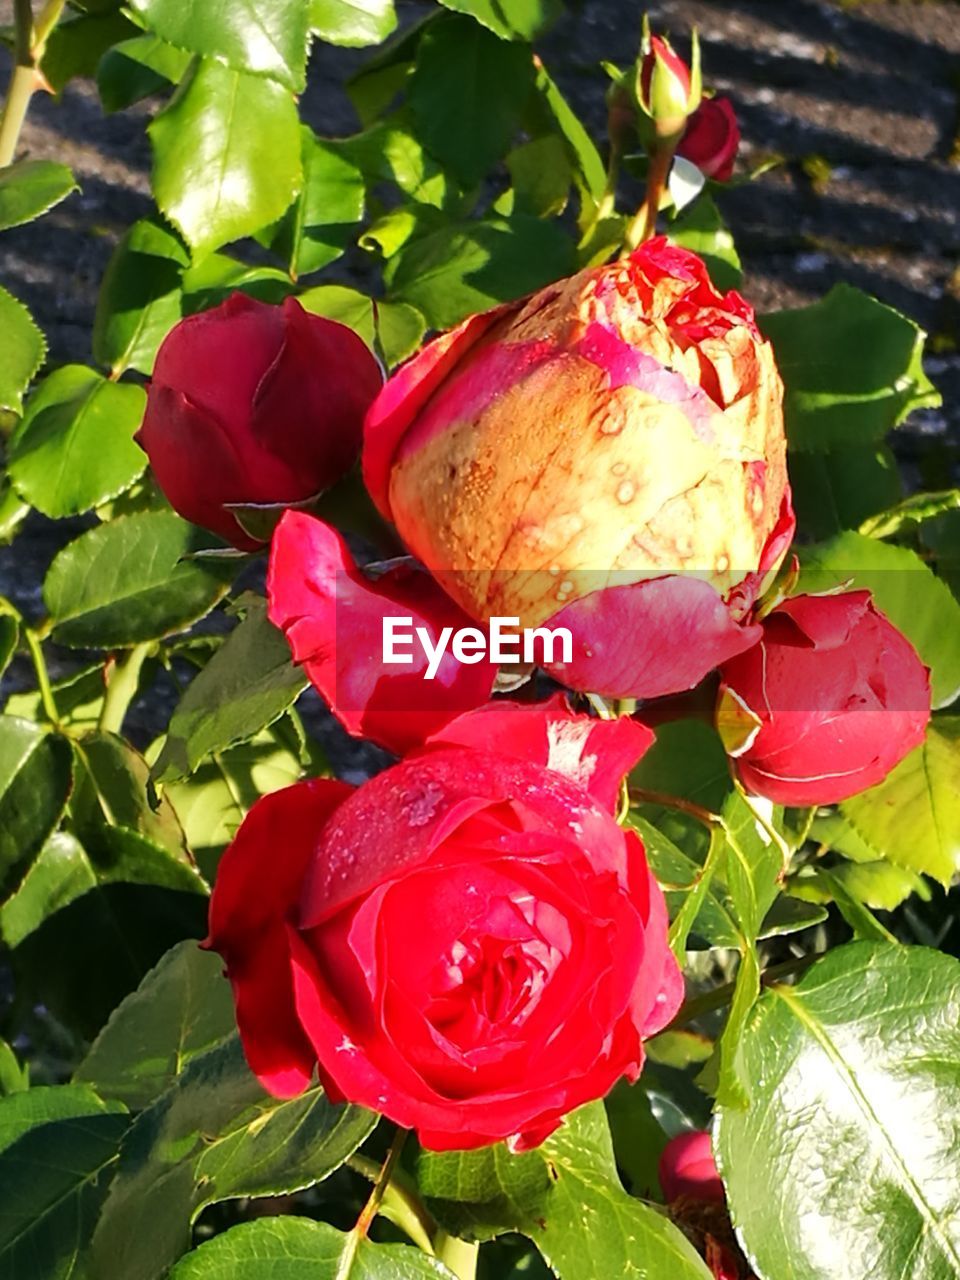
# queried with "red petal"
point(594, 753)
point(649, 638)
point(315, 589)
point(258, 886)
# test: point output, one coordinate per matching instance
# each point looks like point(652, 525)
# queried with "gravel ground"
point(859, 100)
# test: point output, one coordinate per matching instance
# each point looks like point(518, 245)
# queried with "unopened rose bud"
point(253, 404)
point(687, 1168)
point(667, 89)
point(829, 701)
point(711, 139)
point(607, 455)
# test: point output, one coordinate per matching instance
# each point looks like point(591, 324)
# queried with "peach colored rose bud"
point(607, 455)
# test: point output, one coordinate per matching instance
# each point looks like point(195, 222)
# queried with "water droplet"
point(626, 492)
point(618, 469)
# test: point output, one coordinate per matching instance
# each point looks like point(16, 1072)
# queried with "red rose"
point(711, 138)
point(826, 704)
point(666, 90)
point(607, 456)
point(251, 403)
point(467, 943)
point(687, 1168)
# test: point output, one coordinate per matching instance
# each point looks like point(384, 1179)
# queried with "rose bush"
point(828, 702)
point(467, 943)
point(254, 404)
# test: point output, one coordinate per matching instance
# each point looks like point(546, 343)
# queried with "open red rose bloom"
point(467, 943)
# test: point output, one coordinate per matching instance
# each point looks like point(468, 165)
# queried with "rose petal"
point(332, 616)
point(596, 754)
point(258, 881)
point(649, 638)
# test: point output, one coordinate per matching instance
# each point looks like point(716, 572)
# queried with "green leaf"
point(374, 87)
point(905, 589)
point(14, 1078)
point(851, 369)
point(915, 510)
point(127, 581)
point(842, 489)
point(13, 510)
point(471, 266)
point(54, 1175)
point(323, 220)
point(247, 684)
point(215, 1135)
point(226, 155)
point(35, 780)
point(541, 174)
point(211, 281)
point(518, 20)
point(679, 874)
point(182, 1008)
point(137, 68)
point(298, 1249)
point(352, 22)
point(31, 187)
point(389, 152)
point(9, 638)
point(845, 1162)
point(467, 95)
point(74, 448)
point(551, 113)
point(23, 352)
point(248, 35)
point(75, 48)
point(140, 299)
point(942, 536)
point(686, 760)
point(913, 816)
point(701, 229)
point(551, 1195)
point(79, 699)
point(395, 327)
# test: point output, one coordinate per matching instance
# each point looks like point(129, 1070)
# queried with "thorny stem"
point(30, 42)
point(369, 1211)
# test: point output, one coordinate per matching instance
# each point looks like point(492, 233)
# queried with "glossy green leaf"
point(213, 1136)
point(913, 816)
point(79, 698)
point(136, 68)
point(248, 35)
point(74, 448)
point(389, 152)
point(518, 20)
point(558, 1196)
point(60, 1146)
point(22, 354)
point(31, 187)
point(843, 488)
point(140, 299)
point(471, 266)
point(127, 581)
point(226, 155)
point(467, 95)
point(679, 874)
point(851, 369)
point(701, 229)
point(211, 281)
point(247, 684)
point(845, 1161)
point(298, 1249)
point(76, 47)
point(551, 113)
point(395, 328)
point(904, 588)
point(352, 22)
point(113, 788)
point(323, 219)
point(182, 1008)
point(35, 780)
point(541, 173)
point(686, 760)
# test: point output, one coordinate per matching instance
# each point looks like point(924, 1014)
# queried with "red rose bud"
point(468, 943)
point(711, 139)
point(829, 701)
point(607, 456)
point(687, 1168)
point(254, 404)
point(667, 90)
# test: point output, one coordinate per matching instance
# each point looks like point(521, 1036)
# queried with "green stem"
point(720, 996)
point(121, 688)
point(640, 795)
point(47, 700)
point(369, 1211)
point(400, 1203)
point(458, 1256)
point(30, 43)
point(644, 222)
